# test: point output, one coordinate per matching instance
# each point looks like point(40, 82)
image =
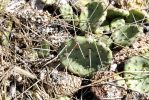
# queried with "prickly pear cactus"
point(125, 35)
point(83, 56)
point(81, 3)
point(92, 16)
point(137, 15)
point(139, 48)
point(117, 23)
point(113, 12)
point(106, 40)
point(136, 74)
point(103, 30)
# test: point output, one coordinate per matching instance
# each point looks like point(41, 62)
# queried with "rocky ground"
point(31, 68)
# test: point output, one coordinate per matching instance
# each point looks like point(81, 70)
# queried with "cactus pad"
point(92, 16)
point(137, 16)
point(103, 30)
point(82, 56)
point(136, 74)
point(125, 35)
point(116, 13)
point(117, 23)
point(106, 40)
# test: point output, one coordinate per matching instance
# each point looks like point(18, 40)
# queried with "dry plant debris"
point(32, 31)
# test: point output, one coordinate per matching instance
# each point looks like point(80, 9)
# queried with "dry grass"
point(25, 75)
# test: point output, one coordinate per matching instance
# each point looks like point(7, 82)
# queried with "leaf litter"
point(30, 36)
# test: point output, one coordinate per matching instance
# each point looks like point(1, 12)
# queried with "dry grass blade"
point(24, 72)
point(25, 75)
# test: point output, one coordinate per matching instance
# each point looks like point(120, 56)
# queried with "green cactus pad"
point(106, 40)
point(92, 16)
point(83, 56)
point(103, 30)
point(116, 13)
point(137, 16)
point(117, 23)
point(136, 74)
point(105, 23)
point(82, 3)
point(125, 35)
point(66, 12)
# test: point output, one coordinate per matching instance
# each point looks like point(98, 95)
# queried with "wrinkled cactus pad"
point(83, 56)
point(125, 35)
point(92, 16)
point(82, 3)
point(136, 74)
point(113, 12)
point(137, 15)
